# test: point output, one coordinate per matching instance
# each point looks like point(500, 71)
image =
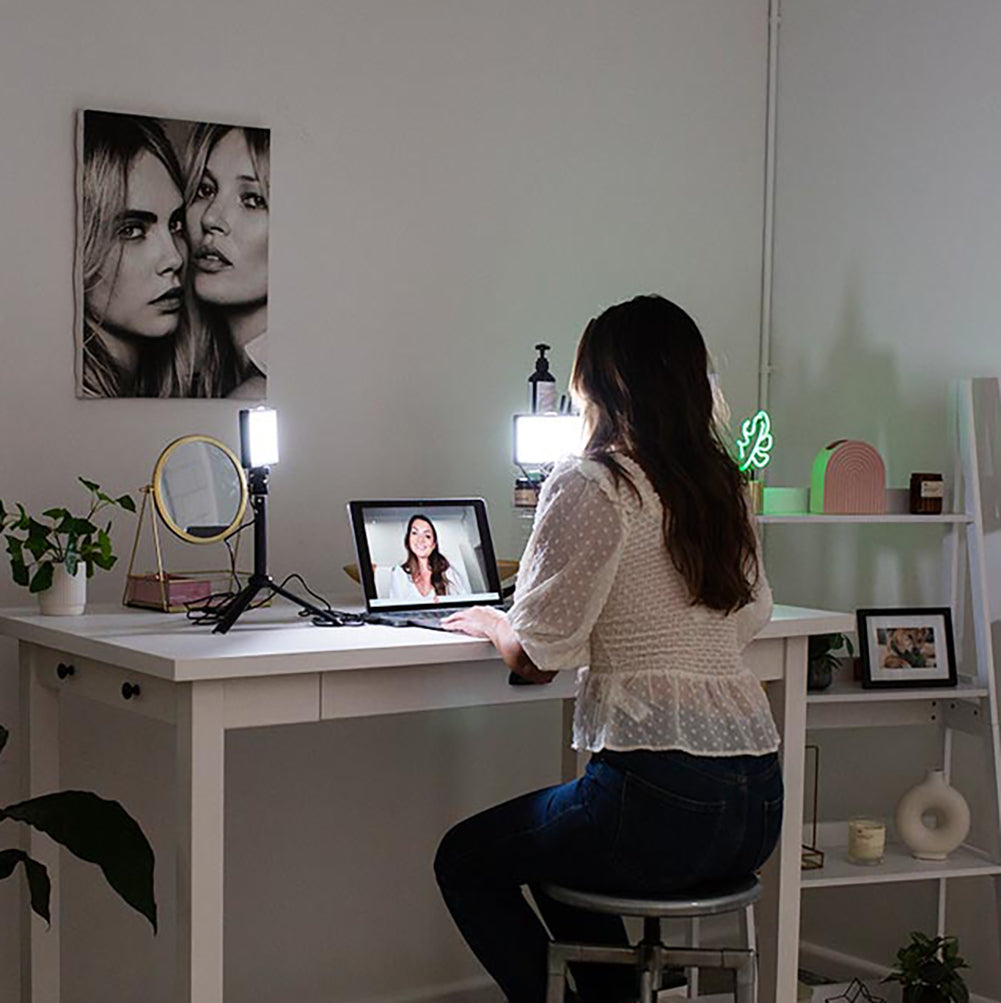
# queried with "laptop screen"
point(424, 553)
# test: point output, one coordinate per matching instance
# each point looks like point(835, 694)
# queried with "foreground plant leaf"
point(101, 832)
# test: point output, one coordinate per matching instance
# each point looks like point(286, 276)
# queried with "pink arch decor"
point(849, 478)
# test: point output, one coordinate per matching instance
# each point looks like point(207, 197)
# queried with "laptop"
point(421, 559)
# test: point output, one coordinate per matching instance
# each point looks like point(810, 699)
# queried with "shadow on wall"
point(858, 387)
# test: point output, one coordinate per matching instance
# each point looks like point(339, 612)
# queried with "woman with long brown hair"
point(425, 573)
point(642, 572)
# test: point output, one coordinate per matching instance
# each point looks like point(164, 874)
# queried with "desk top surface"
point(271, 641)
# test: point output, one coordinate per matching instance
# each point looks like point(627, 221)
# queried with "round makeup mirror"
point(199, 489)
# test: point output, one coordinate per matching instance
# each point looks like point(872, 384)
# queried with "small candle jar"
point(526, 493)
point(927, 492)
point(866, 840)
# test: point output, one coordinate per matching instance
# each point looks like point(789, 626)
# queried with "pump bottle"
point(542, 384)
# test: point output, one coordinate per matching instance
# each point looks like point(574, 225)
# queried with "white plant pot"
point(67, 595)
point(937, 801)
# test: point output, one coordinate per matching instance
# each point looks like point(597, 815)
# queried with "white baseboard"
point(818, 957)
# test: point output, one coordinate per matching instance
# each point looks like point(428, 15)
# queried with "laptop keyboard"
point(428, 618)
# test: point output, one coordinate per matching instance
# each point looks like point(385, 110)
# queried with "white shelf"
point(847, 691)
point(899, 518)
point(898, 865)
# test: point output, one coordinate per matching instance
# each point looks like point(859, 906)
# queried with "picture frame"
point(906, 647)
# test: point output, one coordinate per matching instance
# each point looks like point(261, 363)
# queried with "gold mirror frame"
point(161, 507)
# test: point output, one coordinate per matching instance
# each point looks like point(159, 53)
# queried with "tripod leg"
point(236, 607)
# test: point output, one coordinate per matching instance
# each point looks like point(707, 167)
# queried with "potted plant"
point(822, 658)
point(48, 555)
point(99, 831)
point(927, 969)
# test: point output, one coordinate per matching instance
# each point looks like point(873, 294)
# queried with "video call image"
point(426, 556)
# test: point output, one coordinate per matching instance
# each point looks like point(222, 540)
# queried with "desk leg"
point(569, 765)
point(779, 938)
point(200, 762)
point(40, 764)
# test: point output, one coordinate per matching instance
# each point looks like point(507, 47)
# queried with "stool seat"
point(656, 962)
point(707, 901)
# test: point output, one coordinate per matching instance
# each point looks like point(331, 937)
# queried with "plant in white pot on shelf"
point(53, 556)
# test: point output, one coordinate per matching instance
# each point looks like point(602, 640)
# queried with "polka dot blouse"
point(598, 592)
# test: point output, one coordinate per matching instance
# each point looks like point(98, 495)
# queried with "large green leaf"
point(101, 832)
point(126, 502)
point(19, 570)
point(42, 578)
point(39, 885)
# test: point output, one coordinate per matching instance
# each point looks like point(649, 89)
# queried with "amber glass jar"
point(927, 492)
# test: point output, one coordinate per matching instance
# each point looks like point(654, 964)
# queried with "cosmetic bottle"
point(542, 384)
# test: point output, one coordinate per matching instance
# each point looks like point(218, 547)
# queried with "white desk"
point(273, 669)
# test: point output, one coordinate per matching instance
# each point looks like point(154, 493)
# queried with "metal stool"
point(651, 956)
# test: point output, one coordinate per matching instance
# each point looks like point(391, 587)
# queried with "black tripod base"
point(242, 600)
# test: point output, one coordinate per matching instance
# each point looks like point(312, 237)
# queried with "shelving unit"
point(970, 707)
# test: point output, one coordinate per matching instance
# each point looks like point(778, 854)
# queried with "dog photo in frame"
point(906, 647)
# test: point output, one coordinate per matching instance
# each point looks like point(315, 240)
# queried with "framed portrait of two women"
point(171, 265)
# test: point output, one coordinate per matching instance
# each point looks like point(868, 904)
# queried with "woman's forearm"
point(513, 654)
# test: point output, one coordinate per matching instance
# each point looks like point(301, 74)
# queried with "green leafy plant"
point(98, 831)
point(36, 547)
point(822, 649)
point(927, 968)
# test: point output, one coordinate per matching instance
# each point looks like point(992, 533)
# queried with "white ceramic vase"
point(944, 807)
point(67, 595)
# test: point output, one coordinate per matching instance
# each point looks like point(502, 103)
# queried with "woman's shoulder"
point(578, 473)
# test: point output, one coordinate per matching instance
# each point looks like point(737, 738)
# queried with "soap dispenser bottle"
point(542, 384)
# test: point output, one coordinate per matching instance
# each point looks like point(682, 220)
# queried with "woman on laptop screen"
point(642, 572)
point(425, 573)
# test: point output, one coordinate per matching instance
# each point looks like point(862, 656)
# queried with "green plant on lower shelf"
point(93, 829)
point(822, 649)
point(928, 970)
point(65, 539)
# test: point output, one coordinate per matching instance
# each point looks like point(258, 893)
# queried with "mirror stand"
point(171, 592)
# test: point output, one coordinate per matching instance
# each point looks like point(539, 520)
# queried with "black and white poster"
point(171, 258)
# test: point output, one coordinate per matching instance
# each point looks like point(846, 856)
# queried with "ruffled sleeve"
point(568, 567)
point(752, 617)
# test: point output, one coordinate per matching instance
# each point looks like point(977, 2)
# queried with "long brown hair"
point(642, 372)
point(437, 561)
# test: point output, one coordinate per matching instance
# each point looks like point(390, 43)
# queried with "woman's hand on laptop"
point(492, 624)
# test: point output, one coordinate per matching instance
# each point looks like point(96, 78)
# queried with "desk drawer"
point(403, 689)
point(107, 684)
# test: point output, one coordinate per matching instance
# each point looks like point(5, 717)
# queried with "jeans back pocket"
point(665, 840)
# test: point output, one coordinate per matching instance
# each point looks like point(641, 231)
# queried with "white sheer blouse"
point(598, 592)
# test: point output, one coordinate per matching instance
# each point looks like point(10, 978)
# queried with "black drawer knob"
point(130, 690)
point(64, 671)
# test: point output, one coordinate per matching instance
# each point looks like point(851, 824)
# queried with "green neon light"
point(754, 447)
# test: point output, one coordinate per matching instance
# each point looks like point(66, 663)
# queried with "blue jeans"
point(636, 823)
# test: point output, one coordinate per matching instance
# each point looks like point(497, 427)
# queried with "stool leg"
point(747, 983)
point(647, 994)
point(749, 939)
point(556, 980)
point(694, 940)
point(748, 932)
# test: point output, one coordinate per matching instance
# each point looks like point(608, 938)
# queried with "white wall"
point(888, 238)
point(452, 182)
